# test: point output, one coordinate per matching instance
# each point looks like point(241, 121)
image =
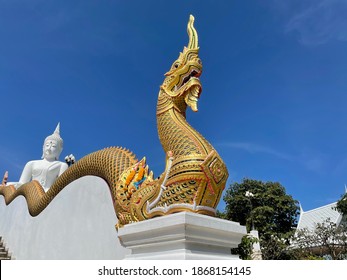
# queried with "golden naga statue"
point(194, 177)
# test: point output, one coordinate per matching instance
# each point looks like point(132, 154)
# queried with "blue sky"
point(274, 84)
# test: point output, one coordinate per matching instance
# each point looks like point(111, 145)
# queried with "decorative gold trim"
point(194, 177)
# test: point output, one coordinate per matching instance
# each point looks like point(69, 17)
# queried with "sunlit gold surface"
point(194, 177)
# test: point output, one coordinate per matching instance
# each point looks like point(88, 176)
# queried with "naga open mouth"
point(192, 88)
point(192, 74)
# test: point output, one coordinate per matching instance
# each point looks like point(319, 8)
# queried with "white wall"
point(78, 224)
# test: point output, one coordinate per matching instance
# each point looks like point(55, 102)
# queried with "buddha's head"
point(53, 145)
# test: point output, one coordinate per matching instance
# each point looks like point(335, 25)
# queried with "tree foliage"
point(268, 208)
point(326, 239)
point(245, 248)
point(342, 205)
point(276, 247)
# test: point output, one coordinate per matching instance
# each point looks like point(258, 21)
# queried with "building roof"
point(309, 219)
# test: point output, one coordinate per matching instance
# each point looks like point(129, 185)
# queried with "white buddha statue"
point(47, 170)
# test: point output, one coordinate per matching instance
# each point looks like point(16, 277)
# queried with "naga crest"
point(182, 85)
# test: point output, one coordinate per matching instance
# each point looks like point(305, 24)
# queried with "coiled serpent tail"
point(107, 164)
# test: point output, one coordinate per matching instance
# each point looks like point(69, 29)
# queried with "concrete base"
point(79, 224)
point(182, 236)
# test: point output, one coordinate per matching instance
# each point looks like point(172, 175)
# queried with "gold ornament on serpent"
point(194, 176)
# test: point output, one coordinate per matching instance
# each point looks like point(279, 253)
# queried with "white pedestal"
point(256, 252)
point(182, 236)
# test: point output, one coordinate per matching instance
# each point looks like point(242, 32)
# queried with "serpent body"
point(194, 177)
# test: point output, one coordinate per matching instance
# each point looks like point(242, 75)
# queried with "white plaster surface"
point(78, 224)
point(256, 253)
point(181, 236)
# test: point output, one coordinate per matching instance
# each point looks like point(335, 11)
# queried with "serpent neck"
point(177, 135)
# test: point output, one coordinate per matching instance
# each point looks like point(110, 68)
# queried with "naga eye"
point(176, 65)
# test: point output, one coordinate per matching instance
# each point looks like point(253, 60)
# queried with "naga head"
point(182, 84)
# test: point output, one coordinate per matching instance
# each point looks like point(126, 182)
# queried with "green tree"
point(268, 208)
point(245, 248)
point(326, 239)
point(342, 205)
